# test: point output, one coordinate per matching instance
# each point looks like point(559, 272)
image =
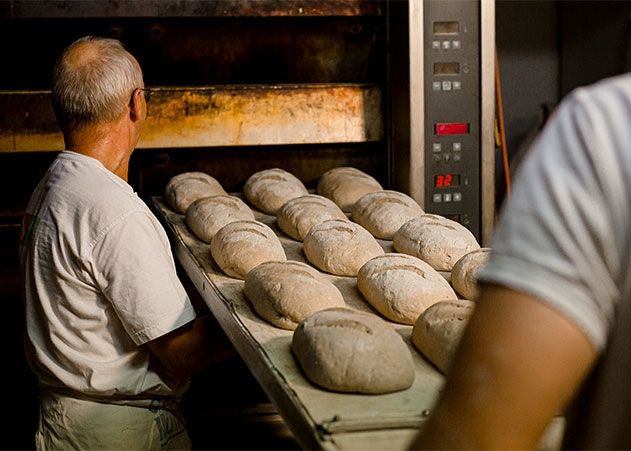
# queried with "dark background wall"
point(548, 48)
point(528, 52)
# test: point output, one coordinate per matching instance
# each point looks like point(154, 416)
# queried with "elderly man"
point(111, 334)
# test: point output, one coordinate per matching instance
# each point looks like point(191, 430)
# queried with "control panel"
point(452, 110)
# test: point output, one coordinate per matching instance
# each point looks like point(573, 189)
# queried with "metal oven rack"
point(317, 418)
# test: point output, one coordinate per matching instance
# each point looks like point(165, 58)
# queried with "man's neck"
point(105, 143)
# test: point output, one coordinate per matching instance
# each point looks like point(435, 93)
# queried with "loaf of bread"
point(285, 293)
point(349, 351)
point(438, 331)
point(382, 213)
point(207, 215)
point(435, 239)
point(401, 287)
point(268, 190)
point(184, 189)
point(298, 215)
point(240, 246)
point(340, 247)
point(464, 276)
point(346, 185)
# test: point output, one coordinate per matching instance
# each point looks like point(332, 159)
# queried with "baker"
point(110, 332)
point(551, 331)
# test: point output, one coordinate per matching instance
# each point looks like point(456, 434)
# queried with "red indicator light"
point(442, 128)
point(446, 180)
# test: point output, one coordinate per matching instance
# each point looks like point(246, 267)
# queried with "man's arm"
point(519, 363)
point(191, 347)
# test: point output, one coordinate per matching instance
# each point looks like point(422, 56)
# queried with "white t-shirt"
point(565, 238)
point(99, 281)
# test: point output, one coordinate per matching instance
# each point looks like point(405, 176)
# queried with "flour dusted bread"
point(464, 276)
point(438, 331)
point(401, 287)
point(382, 213)
point(298, 215)
point(268, 190)
point(346, 185)
point(285, 293)
point(207, 215)
point(349, 351)
point(183, 189)
point(242, 245)
point(340, 247)
point(435, 239)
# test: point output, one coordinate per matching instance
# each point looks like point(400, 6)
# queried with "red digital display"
point(446, 180)
point(443, 128)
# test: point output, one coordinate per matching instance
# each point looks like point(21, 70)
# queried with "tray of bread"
point(346, 303)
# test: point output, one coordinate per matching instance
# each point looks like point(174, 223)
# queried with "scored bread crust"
point(464, 275)
point(340, 247)
point(298, 215)
point(207, 215)
point(240, 246)
point(269, 189)
point(345, 185)
point(438, 331)
point(382, 213)
point(402, 287)
point(435, 239)
point(185, 188)
point(350, 351)
point(285, 293)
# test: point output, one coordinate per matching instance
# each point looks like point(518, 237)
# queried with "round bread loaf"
point(268, 190)
point(298, 215)
point(354, 352)
point(285, 293)
point(346, 185)
point(464, 276)
point(207, 215)
point(183, 189)
point(438, 331)
point(401, 287)
point(242, 245)
point(435, 239)
point(340, 247)
point(382, 213)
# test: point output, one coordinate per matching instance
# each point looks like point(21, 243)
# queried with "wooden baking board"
point(318, 418)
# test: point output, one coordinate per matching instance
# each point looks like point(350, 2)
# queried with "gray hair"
point(95, 85)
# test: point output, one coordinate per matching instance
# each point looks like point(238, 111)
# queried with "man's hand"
point(191, 347)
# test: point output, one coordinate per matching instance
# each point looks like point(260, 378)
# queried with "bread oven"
point(393, 88)
point(402, 90)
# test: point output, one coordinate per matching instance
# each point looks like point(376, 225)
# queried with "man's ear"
point(137, 105)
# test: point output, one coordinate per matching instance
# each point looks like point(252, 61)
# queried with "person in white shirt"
point(110, 331)
point(551, 332)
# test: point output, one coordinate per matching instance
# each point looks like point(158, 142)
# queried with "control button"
point(446, 86)
point(437, 158)
point(457, 147)
point(435, 45)
point(437, 147)
point(456, 85)
point(437, 198)
point(436, 85)
point(446, 45)
point(446, 157)
point(457, 197)
point(456, 157)
point(455, 45)
point(447, 197)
